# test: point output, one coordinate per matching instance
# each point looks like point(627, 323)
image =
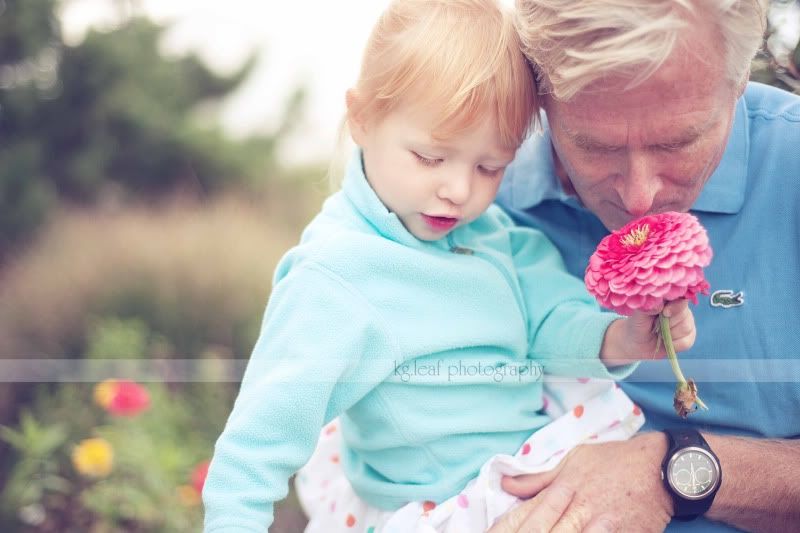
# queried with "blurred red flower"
point(199, 476)
point(122, 397)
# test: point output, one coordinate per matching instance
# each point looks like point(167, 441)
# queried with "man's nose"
point(455, 188)
point(639, 185)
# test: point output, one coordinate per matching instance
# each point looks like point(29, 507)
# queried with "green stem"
point(666, 336)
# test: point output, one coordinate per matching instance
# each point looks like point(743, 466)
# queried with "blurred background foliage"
point(132, 227)
point(110, 119)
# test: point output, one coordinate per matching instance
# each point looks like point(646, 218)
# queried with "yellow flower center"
point(637, 236)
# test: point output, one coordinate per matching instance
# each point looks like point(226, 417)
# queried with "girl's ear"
point(355, 122)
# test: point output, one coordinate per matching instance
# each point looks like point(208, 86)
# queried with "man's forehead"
point(597, 131)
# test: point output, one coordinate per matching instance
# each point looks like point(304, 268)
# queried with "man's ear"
point(355, 122)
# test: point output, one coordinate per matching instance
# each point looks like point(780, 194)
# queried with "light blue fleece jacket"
point(431, 352)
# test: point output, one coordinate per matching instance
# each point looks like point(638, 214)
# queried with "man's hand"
point(597, 487)
point(541, 513)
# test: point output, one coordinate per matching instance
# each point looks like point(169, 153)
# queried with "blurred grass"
point(196, 274)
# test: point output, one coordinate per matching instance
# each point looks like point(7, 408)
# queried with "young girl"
point(414, 309)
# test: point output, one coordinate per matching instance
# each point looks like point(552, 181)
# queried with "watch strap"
point(683, 438)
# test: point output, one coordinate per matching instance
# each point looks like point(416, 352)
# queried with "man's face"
point(649, 149)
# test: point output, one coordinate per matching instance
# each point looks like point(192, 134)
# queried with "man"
point(649, 110)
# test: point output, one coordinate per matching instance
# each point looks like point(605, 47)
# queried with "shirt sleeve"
point(311, 362)
point(566, 325)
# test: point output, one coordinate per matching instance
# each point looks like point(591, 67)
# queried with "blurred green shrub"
point(154, 452)
point(148, 488)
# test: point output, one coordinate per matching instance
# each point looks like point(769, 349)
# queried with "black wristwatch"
point(691, 473)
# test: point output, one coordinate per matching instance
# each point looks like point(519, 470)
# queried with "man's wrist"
point(719, 445)
point(654, 444)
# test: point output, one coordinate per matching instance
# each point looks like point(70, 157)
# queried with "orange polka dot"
point(335, 458)
point(578, 411)
point(351, 520)
point(330, 429)
point(428, 506)
point(636, 410)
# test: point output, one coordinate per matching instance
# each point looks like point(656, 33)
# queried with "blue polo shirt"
point(746, 359)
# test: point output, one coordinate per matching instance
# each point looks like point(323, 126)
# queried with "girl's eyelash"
point(491, 172)
point(426, 161)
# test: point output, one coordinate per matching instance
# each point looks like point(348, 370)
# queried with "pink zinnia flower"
point(650, 261)
point(127, 398)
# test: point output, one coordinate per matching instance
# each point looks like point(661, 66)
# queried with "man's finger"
point(574, 520)
point(537, 515)
point(602, 524)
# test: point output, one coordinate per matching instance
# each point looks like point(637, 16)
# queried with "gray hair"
point(573, 43)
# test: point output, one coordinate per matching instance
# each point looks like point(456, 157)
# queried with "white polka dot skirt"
point(584, 411)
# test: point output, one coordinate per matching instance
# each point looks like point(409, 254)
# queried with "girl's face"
point(432, 185)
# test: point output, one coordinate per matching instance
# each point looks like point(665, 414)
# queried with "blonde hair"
point(575, 43)
point(459, 58)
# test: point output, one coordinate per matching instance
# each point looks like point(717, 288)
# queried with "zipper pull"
point(461, 250)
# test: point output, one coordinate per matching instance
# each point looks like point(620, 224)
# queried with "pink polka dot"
point(351, 520)
point(545, 402)
point(335, 458)
point(330, 429)
point(613, 424)
point(583, 380)
point(428, 506)
point(333, 507)
point(636, 410)
point(526, 448)
point(462, 501)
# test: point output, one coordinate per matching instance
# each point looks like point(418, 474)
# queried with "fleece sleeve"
point(311, 362)
point(566, 326)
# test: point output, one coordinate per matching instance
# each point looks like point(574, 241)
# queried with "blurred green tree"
point(109, 116)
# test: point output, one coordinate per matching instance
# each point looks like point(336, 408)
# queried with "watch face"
point(693, 473)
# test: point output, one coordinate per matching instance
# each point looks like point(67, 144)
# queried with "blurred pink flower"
point(650, 261)
point(122, 397)
point(199, 476)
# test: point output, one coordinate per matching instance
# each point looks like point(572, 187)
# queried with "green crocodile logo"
point(727, 298)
